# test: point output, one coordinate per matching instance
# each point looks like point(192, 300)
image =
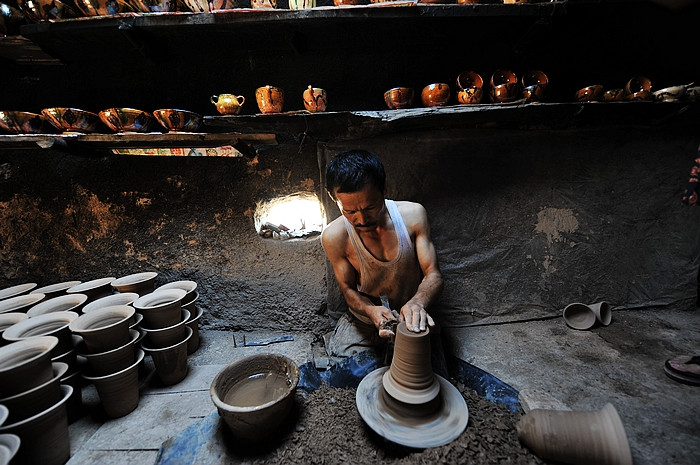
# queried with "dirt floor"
point(325, 427)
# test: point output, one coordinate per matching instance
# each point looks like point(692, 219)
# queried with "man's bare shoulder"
point(334, 234)
point(411, 211)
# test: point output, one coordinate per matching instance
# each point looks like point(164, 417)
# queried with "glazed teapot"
point(228, 104)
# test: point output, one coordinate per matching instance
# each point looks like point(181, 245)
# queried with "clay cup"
point(270, 99)
point(228, 104)
point(315, 99)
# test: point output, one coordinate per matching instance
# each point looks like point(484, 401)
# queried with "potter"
point(377, 248)
point(228, 104)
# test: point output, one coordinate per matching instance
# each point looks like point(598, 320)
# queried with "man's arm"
point(334, 242)
point(414, 311)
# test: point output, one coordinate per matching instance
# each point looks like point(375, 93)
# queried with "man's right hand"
point(386, 320)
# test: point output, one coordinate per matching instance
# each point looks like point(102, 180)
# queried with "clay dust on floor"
point(326, 428)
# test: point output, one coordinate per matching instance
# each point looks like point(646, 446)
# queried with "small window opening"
point(294, 216)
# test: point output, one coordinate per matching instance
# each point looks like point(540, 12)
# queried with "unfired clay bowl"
point(8, 319)
point(105, 328)
point(25, 364)
point(170, 362)
point(255, 394)
point(22, 122)
point(94, 289)
point(13, 291)
point(175, 120)
point(49, 324)
point(71, 119)
point(161, 308)
point(126, 119)
point(110, 361)
point(121, 298)
point(140, 283)
point(32, 401)
point(55, 290)
point(164, 337)
point(11, 443)
point(185, 284)
point(119, 392)
point(20, 303)
point(63, 303)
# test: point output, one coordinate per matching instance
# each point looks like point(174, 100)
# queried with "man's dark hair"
point(352, 170)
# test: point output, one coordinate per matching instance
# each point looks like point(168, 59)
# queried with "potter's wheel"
point(399, 422)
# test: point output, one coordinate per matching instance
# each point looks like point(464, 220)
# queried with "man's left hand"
point(416, 317)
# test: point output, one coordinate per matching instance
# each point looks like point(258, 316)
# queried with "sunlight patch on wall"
point(293, 216)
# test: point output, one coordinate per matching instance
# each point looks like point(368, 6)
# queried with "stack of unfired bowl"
point(112, 360)
point(189, 302)
point(31, 390)
point(167, 334)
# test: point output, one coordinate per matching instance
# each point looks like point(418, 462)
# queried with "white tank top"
point(398, 278)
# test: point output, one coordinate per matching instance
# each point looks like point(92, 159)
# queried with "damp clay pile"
point(326, 428)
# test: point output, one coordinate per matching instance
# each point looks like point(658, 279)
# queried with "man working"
point(381, 253)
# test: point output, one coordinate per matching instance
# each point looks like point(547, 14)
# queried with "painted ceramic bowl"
point(399, 97)
point(503, 92)
point(670, 94)
point(534, 85)
point(155, 6)
point(47, 10)
point(469, 79)
point(103, 7)
point(22, 122)
point(613, 95)
point(71, 119)
point(207, 6)
point(435, 95)
point(503, 76)
point(10, 19)
point(127, 119)
point(590, 93)
point(470, 95)
point(175, 120)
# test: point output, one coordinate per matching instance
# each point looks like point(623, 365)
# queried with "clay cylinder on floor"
point(576, 437)
point(410, 378)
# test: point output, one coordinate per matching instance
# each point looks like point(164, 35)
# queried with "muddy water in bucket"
point(257, 389)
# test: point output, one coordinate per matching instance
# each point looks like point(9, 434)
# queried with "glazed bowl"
point(613, 95)
point(126, 119)
point(590, 93)
point(13, 291)
point(47, 10)
point(20, 303)
point(503, 93)
point(399, 97)
point(175, 120)
point(25, 364)
point(255, 394)
point(435, 95)
point(155, 6)
point(469, 79)
point(208, 6)
point(503, 76)
point(315, 99)
point(22, 122)
point(105, 328)
point(534, 85)
point(470, 95)
point(62, 303)
point(71, 119)
point(103, 7)
point(670, 94)
point(140, 283)
point(270, 99)
point(121, 298)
